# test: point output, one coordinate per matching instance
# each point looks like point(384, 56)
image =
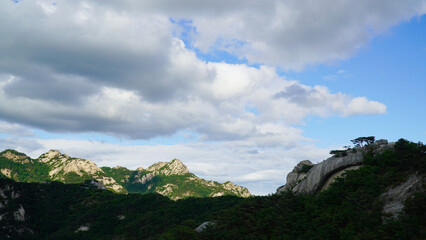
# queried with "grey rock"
point(19, 214)
point(83, 228)
point(203, 226)
point(395, 197)
point(15, 194)
point(94, 183)
point(295, 176)
point(319, 173)
point(300, 165)
point(336, 175)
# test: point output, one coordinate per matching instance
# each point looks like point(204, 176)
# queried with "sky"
point(237, 90)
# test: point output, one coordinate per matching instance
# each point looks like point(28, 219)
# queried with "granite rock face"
point(174, 167)
point(318, 175)
point(203, 226)
point(61, 164)
point(15, 156)
point(295, 176)
point(321, 175)
point(395, 197)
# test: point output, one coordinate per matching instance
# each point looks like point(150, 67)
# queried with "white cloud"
point(271, 174)
point(296, 33)
point(361, 105)
point(15, 129)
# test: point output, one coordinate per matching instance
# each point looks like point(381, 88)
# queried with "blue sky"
point(239, 92)
point(391, 68)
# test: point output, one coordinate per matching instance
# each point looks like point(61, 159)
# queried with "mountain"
point(171, 179)
point(53, 166)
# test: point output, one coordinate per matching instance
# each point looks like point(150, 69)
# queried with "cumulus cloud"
point(293, 34)
point(14, 129)
point(320, 101)
point(26, 145)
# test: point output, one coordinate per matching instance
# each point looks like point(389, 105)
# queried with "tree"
point(363, 141)
point(339, 153)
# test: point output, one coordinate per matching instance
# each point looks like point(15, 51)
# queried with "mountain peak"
point(140, 169)
point(15, 156)
point(51, 154)
point(174, 167)
point(177, 167)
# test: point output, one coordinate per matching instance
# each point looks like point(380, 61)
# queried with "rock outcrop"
point(12, 214)
point(296, 176)
point(61, 165)
point(237, 190)
point(15, 156)
point(174, 167)
point(321, 175)
point(203, 226)
point(394, 198)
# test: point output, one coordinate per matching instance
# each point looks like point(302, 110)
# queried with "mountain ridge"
point(171, 179)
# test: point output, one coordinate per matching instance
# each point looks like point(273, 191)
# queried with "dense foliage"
point(55, 211)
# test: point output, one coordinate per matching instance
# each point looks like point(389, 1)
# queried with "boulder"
point(295, 176)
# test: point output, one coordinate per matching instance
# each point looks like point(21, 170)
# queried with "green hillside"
point(21, 168)
point(171, 179)
point(168, 181)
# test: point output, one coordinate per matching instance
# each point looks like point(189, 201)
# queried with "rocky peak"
point(15, 156)
point(61, 165)
point(140, 169)
point(174, 167)
point(52, 154)
point(119, 167)
point(177, 167)
point(236, 189)
point(156, 166)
